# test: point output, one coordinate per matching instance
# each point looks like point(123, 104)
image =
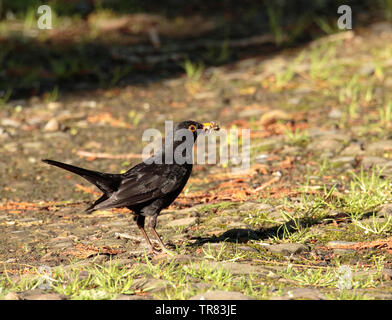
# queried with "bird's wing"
point(145, 183)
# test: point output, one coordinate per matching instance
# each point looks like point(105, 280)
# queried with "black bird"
point(152, 185)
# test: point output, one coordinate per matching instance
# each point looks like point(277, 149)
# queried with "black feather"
point(106, 182)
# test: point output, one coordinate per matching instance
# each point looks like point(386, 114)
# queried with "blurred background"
point(317, 101)
point(107, 43)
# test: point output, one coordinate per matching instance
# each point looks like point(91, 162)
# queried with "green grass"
point(329, 27)
point(99, 282)
point(343, 278)
point(182, 280)
point(4, 98)
point(52, 96)
point(297, 137)
point(218, 55)
point(375, 225)
point(365, 192)
point(310, 277)
point(119, 72)
point(193, 70)
point(216, 206)
point(386, 6)
point(275, 15)
point(386, 114)
point(287, 75)
point(320, 60)
point(222, 253)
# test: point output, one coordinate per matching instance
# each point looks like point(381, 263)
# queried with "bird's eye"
point(192, 127)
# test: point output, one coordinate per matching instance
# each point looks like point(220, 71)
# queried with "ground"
point(310, 219)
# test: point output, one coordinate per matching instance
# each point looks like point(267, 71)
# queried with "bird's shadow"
point(280, 231)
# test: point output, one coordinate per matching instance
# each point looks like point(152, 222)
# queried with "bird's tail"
point(106, 182)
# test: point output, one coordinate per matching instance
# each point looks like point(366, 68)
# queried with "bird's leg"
point(152, 224)
point(140, 223)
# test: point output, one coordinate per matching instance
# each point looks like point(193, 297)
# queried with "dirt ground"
point(315, 198)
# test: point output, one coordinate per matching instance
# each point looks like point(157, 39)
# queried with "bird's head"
point(179, 142)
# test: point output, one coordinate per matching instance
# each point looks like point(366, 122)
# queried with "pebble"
point(4, 134)
point(38, 294)
point(151, 284)
point(349, 160)
point(335, 114)
point(336, 244)
point(34, 145)
point(378, 148)
point(387, 274)
point(354, 149)
point(325, 144)
point(52, 125)
point(252, 206)
point(385, 211)
point(248, 249)
point(273, 116)
point(291, 150)
point(369, 162)
point(54, 105)
point(367, 69)
point(62, 244)
point(88, 104)
point(11, 296)
point(10, 123)
point(262, 158)
point(287, 248)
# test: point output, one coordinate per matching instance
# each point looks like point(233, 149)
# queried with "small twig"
point(268, 183)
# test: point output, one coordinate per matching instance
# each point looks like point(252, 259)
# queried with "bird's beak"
point(210, 126)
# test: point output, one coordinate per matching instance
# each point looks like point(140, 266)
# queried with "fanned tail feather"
point(106, 182)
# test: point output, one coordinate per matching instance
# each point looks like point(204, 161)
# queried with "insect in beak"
point(210, 126)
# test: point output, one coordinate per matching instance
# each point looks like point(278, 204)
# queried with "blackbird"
point(153, 184)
